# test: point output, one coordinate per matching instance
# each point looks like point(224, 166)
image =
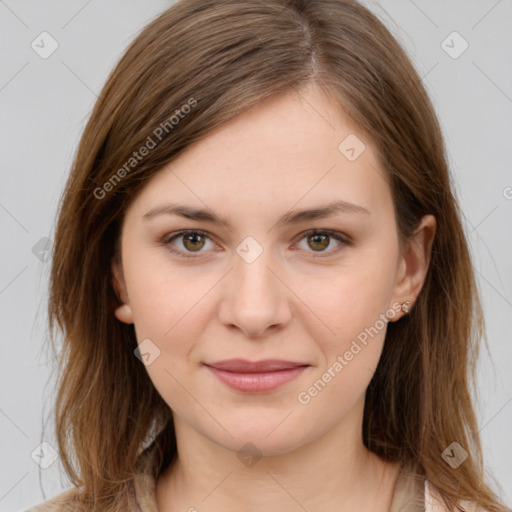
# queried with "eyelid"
point(168, 238)
point(344, 240)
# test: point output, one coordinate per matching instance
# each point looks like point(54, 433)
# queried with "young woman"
point(260, 274)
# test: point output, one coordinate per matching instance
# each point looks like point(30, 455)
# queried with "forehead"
point(293, 148)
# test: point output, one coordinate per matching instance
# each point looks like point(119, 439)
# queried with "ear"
point(414, 262)
point(124, 312)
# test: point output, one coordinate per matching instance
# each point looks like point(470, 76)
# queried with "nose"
point(255, 297)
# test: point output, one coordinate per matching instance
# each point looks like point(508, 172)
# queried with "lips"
point(256, 376)
point(244, 366)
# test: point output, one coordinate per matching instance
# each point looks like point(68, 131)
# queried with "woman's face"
point(260, 287)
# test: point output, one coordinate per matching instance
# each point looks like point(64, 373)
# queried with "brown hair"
point(220, 59)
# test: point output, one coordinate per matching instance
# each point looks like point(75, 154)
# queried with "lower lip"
point(257, 382)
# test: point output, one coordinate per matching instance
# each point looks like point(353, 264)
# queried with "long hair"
point(196, 66)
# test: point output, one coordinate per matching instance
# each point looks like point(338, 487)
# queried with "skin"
point(299, 300)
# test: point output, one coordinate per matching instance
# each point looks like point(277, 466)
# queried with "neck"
point(333, 473)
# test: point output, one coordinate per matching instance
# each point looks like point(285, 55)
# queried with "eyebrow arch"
point(291, 217)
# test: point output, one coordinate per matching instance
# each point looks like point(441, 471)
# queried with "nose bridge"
point(253, 281)
point(256, 298)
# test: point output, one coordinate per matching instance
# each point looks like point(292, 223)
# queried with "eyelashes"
point(195, 236)
point(185, 233)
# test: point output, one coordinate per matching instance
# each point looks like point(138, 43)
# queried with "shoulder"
point(434, 502)
point(64, 502)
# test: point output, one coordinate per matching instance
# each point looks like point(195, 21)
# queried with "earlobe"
point(124, 314)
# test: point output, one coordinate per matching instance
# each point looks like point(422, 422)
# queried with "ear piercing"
point(405, 306)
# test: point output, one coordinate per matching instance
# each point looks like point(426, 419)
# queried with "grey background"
point(44, 104)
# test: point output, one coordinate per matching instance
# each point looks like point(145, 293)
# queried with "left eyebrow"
point(292, 217)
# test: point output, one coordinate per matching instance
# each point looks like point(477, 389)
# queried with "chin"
point(262, 438)
point(257, 444)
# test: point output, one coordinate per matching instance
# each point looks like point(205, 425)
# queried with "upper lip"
point(244, 366)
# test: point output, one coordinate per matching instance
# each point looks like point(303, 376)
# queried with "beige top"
point(411, 493)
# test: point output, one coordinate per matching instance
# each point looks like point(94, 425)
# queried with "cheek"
point(349, 328)
point(171, 307)
point(348, 324)
point(164, 296)
point(345, 303)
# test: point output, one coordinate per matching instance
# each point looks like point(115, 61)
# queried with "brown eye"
point(318, 242)
point(188, 244)
point(193, 242)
